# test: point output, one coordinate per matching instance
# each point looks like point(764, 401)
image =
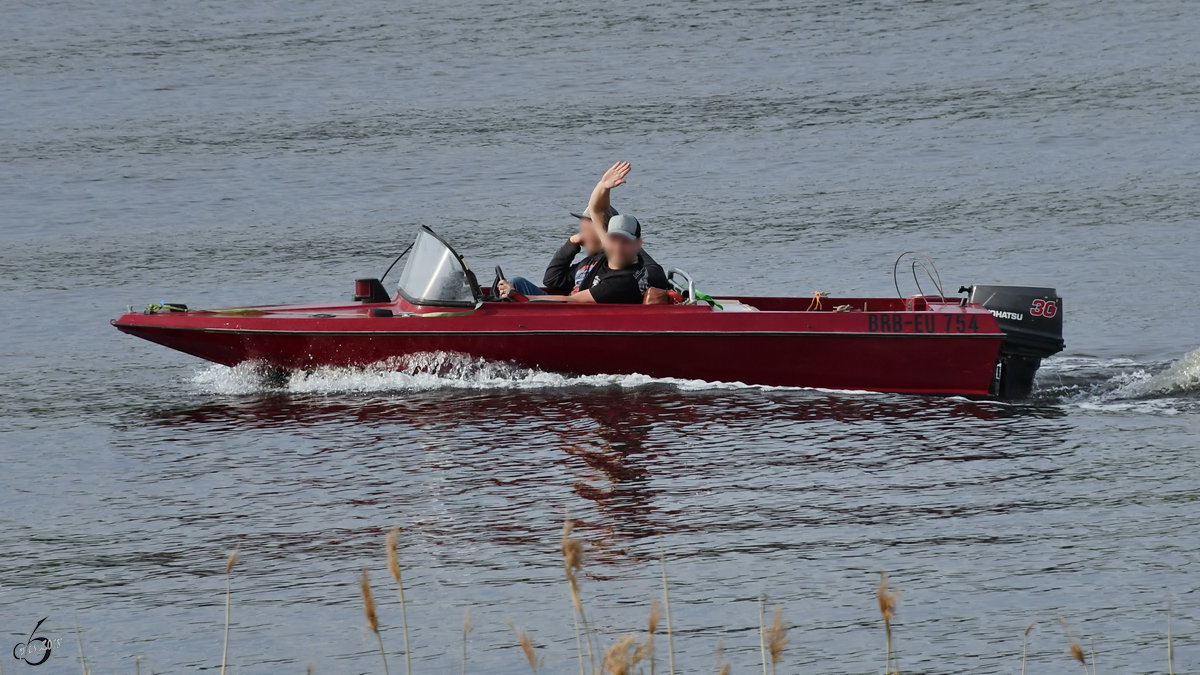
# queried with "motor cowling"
point(1032, 321)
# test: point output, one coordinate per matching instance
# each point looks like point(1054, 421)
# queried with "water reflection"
point(612, 407)
point(808, 456)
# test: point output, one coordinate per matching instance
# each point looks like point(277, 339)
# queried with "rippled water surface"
point(224, 153)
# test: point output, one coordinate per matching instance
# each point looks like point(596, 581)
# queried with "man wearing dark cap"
point(564, 275)
point(620, 273)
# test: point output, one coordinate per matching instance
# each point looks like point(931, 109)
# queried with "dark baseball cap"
point(584, 213)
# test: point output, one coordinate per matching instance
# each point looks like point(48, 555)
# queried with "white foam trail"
point(1089, 381)
point(424, 372)
point(1164, 406)
point(1181, 377)
point(1070, 365)
point(1122, 385)
point(245, 378)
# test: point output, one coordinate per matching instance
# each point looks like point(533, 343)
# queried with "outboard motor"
point(1032, 321)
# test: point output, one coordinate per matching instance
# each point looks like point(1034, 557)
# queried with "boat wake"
point(419, 372)
point(1084, 381)
point(1122, 384)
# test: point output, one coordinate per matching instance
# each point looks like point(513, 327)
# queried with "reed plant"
point(629, 651)
point(652, 628)
point(622, 657)
point(79, 640)
point(526, 646)
point(887, 608)
point(466, 629)
point(372, 618)
point(1170, 649)
point(771, 641)
point(1074, 648)
point(228, 573)
point(662, 557)
point(1025, 646)
point(762, 631)
point(393, 558)
point(776, 639)
point(572, 551)
point(723, 668)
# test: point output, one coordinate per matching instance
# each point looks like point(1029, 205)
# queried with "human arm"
point(616, 289)
point(559, 275)
point(506, 290)
point(601, 198)
point(580, 297)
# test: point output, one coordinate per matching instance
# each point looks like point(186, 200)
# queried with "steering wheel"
point(496, 285)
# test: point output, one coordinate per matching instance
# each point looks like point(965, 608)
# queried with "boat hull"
point(943, 348)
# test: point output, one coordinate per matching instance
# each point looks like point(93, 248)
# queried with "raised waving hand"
point(601, 197)
point(615, 175)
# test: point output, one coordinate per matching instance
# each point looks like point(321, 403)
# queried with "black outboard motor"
point(1032, 321)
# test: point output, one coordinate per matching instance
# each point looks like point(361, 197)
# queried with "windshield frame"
point(468, 275)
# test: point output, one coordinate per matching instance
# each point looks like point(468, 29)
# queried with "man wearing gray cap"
point(621, 273)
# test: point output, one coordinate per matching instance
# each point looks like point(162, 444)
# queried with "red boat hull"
point(893, 346)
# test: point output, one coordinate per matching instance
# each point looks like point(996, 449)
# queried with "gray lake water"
point(228, 153)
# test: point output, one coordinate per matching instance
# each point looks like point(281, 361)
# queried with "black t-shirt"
point(626, 285)
point(565, 276)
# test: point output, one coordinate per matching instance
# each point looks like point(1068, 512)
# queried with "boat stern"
point(1031, 319)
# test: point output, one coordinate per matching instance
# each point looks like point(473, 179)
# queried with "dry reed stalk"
point(776, 638)
point(1076, 651)
point(762, 631)
point(644, 651)
point(1170, 650)
point(372, 619)
point(78, 639)
point(1025, 645)
point(526, 646)
point(1073, 647)
point(652, 628)
point(228, 569)
point(466, 629)
point(393, 540)
point(662, 557)
point(887, 608)
point(578, 640)
point(621, 658)
point(722, 667)
point(572, 550)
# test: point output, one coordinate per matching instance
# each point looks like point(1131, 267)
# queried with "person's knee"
point(525, 286)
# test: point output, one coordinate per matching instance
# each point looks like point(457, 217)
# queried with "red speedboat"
point(987, 344)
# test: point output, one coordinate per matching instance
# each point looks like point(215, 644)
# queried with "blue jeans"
point(525, 287)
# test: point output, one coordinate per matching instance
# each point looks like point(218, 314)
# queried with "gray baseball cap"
point(625, 226)
point(583, 213)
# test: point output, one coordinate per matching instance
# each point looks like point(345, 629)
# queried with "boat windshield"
point(435, 275)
